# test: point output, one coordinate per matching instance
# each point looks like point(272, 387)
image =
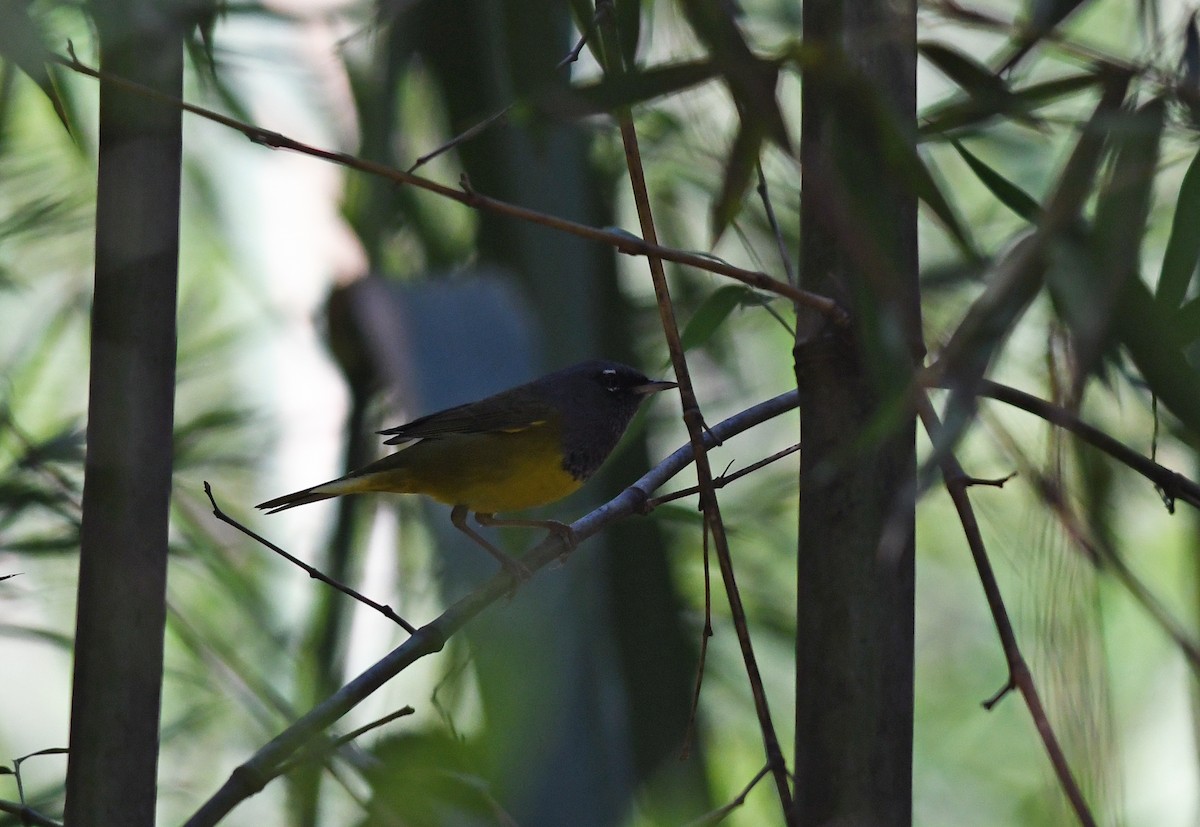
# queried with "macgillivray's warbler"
point(523, 447)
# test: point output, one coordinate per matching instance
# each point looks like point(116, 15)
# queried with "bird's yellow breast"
point(488, 472)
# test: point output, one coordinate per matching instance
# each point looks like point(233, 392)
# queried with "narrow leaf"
point(617, 90)
point(1187, 322)
point(1092, 298)
point(1158, 354)
point(973, 77)
point(22, 43)
point(1006, 192)
point(1183, 246)
point(1188, 86)
point(868, 125)
point(629, 24)
point(739, 171)
point(961, 114)
point(751, 80)
point(713, 312)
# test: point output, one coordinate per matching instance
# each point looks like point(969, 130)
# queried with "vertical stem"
point(111, 776)
point(855, 562)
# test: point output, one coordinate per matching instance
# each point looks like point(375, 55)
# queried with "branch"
point(28, 815)
point(1174, 486)
point(314, 573)
point(252, 776)
point(623, 242)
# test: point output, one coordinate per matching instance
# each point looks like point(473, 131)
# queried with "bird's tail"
point(324, 491)
point(292, 500)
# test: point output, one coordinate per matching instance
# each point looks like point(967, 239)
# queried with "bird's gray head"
point(597, 400)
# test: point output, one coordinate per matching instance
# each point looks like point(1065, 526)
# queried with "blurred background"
point(319, 305)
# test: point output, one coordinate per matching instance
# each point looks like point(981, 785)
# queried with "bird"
point(523, 447)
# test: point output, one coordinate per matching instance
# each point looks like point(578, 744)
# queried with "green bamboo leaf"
point(739, 170)
point(1042, 18)
point(1187, 321)
point(629, 24)
point(713, 312)
point(751, 80)
point(22, 43)
point(962, 114)
point(1157, 352)
point(1019, 274)
point(1006, 192)
point(624, 89)
point(972, 76)
point(1183, 246)
point(1091, 298)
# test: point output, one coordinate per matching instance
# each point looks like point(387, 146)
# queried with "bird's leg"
point(563, 531)
point(519, 571)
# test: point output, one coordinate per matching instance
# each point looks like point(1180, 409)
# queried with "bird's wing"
point(507, 412)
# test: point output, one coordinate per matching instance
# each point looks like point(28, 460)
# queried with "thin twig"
point(692, 417)
point(250, 778)
point(690, 737)
point(721, 481)
point(622, 242)
point(466, 135)
point(323, 751)
point(765, 195)
point(314, 573)
point(573, 55)
point(1019, 676)
point(996, 482)
point(718, 815)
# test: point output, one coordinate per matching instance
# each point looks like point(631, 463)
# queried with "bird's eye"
point(608, 378)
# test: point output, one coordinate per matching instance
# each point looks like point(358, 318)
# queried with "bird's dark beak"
point(653, 387)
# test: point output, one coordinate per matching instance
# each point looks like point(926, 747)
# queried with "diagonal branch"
point(1174, 485)
point(623, 242)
